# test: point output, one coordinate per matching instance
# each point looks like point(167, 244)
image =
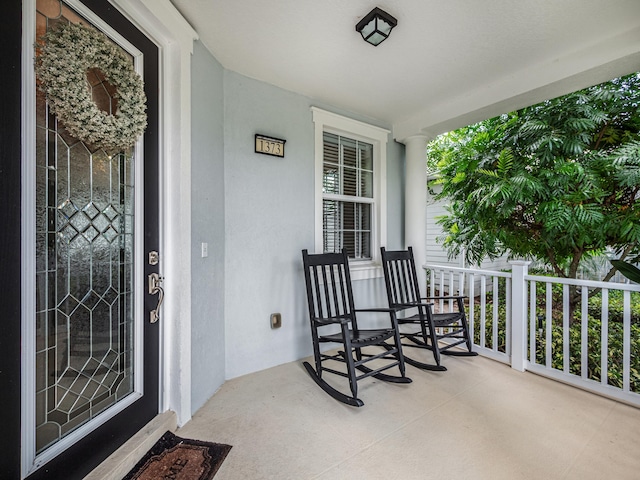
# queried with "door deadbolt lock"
point(154, 257)
point(155, 287)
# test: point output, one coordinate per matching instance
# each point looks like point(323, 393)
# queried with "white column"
point(415, 202)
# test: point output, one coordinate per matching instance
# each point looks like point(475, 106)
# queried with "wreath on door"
point(69, 51)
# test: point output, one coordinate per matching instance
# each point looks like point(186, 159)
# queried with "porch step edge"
point(120, 462)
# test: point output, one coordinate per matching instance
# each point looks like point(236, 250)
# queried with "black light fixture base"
point(376, 26)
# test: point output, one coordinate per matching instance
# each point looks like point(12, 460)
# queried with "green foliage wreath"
point(68, 52)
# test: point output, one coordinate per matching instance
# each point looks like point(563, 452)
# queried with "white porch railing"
point(580, 332)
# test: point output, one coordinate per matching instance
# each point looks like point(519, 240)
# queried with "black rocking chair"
point(331, 305)
point(403, 293)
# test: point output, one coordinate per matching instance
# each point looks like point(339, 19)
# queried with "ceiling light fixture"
point(376, 26)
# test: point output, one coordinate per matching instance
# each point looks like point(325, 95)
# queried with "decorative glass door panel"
point(84, 265)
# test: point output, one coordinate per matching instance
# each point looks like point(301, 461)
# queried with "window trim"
point(378, 137)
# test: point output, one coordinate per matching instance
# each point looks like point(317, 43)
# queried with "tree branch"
point(554, 264)
point(601, 135)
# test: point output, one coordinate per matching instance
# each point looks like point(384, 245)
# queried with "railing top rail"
point(475, 271)
point(584, 283)
point(536, 278)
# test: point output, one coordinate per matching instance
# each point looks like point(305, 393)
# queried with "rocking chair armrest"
point(404, 306)
point(332, 320)
point(414, 304)
point(378, 310)
point(445, 297)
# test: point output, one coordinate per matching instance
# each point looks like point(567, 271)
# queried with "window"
point(347, 196)
point(350, 190)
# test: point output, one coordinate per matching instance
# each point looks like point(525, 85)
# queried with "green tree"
point(557, 181)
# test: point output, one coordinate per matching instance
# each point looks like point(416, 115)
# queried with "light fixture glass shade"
point(368, 29)
point(384, 27)
point(375, 39)
point(376, 26)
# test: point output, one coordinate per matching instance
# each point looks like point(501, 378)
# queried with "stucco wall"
point(269, 219)
point(256, 213)
point(207, 203)
point(395, 195)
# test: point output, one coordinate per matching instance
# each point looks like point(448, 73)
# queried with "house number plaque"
point(270, 145)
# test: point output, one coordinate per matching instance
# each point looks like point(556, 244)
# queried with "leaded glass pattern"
point(84, 265)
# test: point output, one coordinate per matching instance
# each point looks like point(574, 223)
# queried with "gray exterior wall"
point(395, 195)
point(268, 221)
point(257, 214)
point(207, 224)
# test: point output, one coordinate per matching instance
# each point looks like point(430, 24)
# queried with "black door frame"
point(81, 458)
point(10, 245)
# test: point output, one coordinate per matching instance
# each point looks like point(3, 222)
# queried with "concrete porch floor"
point(480, 420)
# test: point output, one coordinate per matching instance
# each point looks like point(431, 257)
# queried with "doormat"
point(180, 459)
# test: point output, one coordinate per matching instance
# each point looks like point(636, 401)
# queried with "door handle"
point(155, 282)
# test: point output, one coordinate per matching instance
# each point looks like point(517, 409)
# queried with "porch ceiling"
point(446, 64)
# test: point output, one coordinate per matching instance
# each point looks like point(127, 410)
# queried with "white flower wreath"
point(68, 53)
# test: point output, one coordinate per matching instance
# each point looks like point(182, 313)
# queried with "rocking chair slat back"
point(326, 285)
point(401, 279)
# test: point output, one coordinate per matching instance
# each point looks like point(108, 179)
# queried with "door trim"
point(165, 26)
point(28, 229)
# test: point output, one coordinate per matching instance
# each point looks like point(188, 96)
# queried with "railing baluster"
point(451, 291)
point(432, 283)
point(533, 323)
point(549, 325)
point(626, 347)
point(604, 338)
point(441, 303)
point(471, 290)
point(508, 319)
point(496, 299)
point(483, 310)
point(565, 329)
point(584, 334)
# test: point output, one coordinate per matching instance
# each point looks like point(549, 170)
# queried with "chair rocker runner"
point(403, 293)
point(335, 320)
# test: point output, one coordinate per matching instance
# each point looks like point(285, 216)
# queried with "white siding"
point(437, 254)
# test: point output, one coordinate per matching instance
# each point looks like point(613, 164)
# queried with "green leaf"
point(505, 162)
point(628, 270)
point(459, 177)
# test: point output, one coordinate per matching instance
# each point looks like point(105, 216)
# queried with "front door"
point(90, 354)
